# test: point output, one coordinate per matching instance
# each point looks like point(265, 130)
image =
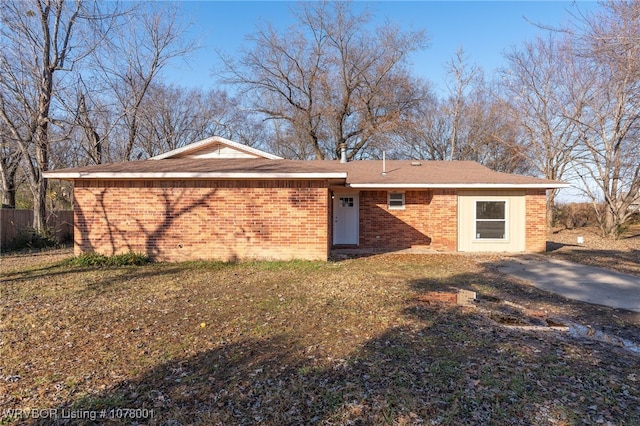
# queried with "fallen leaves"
point(349, 342)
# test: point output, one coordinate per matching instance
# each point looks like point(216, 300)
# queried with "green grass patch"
point(288, 265)
point(212, 265)
point(95, 259)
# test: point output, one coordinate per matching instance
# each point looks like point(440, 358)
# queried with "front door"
point(345, 219)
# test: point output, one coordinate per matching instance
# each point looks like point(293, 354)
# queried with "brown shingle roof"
point(201, 165)
point(432, 172)
point(365, 173)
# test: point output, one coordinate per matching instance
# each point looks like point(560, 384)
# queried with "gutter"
point(458, 185)
point(191, 175)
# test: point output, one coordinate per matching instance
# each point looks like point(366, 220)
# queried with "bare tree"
point(86, 120)
point(171, 117)
point(40, 39)
point(138, 50)
point(607, 92)
point(428, 138)
point(463, 78)
point(330, 80)
point(483, 131)
point(535, 95)
point(425, 134)
point(489, 136)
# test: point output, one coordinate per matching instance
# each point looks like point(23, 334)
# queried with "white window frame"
point(402, 200)
point(505, 220)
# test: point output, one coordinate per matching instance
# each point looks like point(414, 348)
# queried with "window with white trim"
point(491, 220)
point(395, 201)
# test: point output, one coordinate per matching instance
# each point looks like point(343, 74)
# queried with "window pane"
point(490, 209)
point(346, 201)
point(490, 229)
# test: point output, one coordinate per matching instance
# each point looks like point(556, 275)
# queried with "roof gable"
point(215, 147)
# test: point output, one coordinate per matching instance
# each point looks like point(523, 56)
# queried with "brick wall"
point(180, 220)
point(428, 219)
point(536, 220)
point(444, 219)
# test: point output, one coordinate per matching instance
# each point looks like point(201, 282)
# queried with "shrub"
point(31, 239)
point(575, 215)
point(95, 259)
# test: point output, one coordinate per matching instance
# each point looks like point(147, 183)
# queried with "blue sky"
point(486, 29)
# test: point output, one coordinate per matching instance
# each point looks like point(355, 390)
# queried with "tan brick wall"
point(428, 219)
point(180, 220)
point(536, 220)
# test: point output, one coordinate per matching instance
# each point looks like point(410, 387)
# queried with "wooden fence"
point(13, 222)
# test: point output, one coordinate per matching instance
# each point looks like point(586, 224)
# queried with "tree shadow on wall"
point(182, 223)
point(173, 209)
point(388, 233)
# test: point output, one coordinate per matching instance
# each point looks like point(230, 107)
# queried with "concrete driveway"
point(574, 281)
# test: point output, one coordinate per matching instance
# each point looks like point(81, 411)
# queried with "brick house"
point(217, 199)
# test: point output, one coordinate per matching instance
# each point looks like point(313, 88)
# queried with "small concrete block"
point(465, 297)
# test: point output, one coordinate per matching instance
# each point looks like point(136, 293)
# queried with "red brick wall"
point(536, 220)
point(428, 219)
point(444, 219)
point(180, 220)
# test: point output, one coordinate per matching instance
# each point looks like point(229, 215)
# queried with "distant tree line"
point(81, 82)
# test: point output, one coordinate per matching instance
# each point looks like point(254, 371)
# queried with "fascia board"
point(192, 175)
point(458, 185)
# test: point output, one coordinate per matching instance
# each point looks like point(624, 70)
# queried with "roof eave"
point(191, 175)
point(554, 185)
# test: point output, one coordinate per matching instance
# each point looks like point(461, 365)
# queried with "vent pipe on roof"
point(384, 164)
point(343, 153)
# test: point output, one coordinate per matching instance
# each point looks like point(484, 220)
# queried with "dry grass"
point(622, 255)
point(349, 342)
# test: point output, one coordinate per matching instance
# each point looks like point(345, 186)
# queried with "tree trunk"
point(9, 198)
point(39, 186)
point(611, 226)
point(40, 206)
point(9, 171)
point(551, 202)
point(9, 192)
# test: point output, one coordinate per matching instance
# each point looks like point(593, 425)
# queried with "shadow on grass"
point(619, 260)
point(21, 275)
point(99, 281)
point(442, 366)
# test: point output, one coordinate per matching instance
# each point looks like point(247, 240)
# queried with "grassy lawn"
point(354, 341)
